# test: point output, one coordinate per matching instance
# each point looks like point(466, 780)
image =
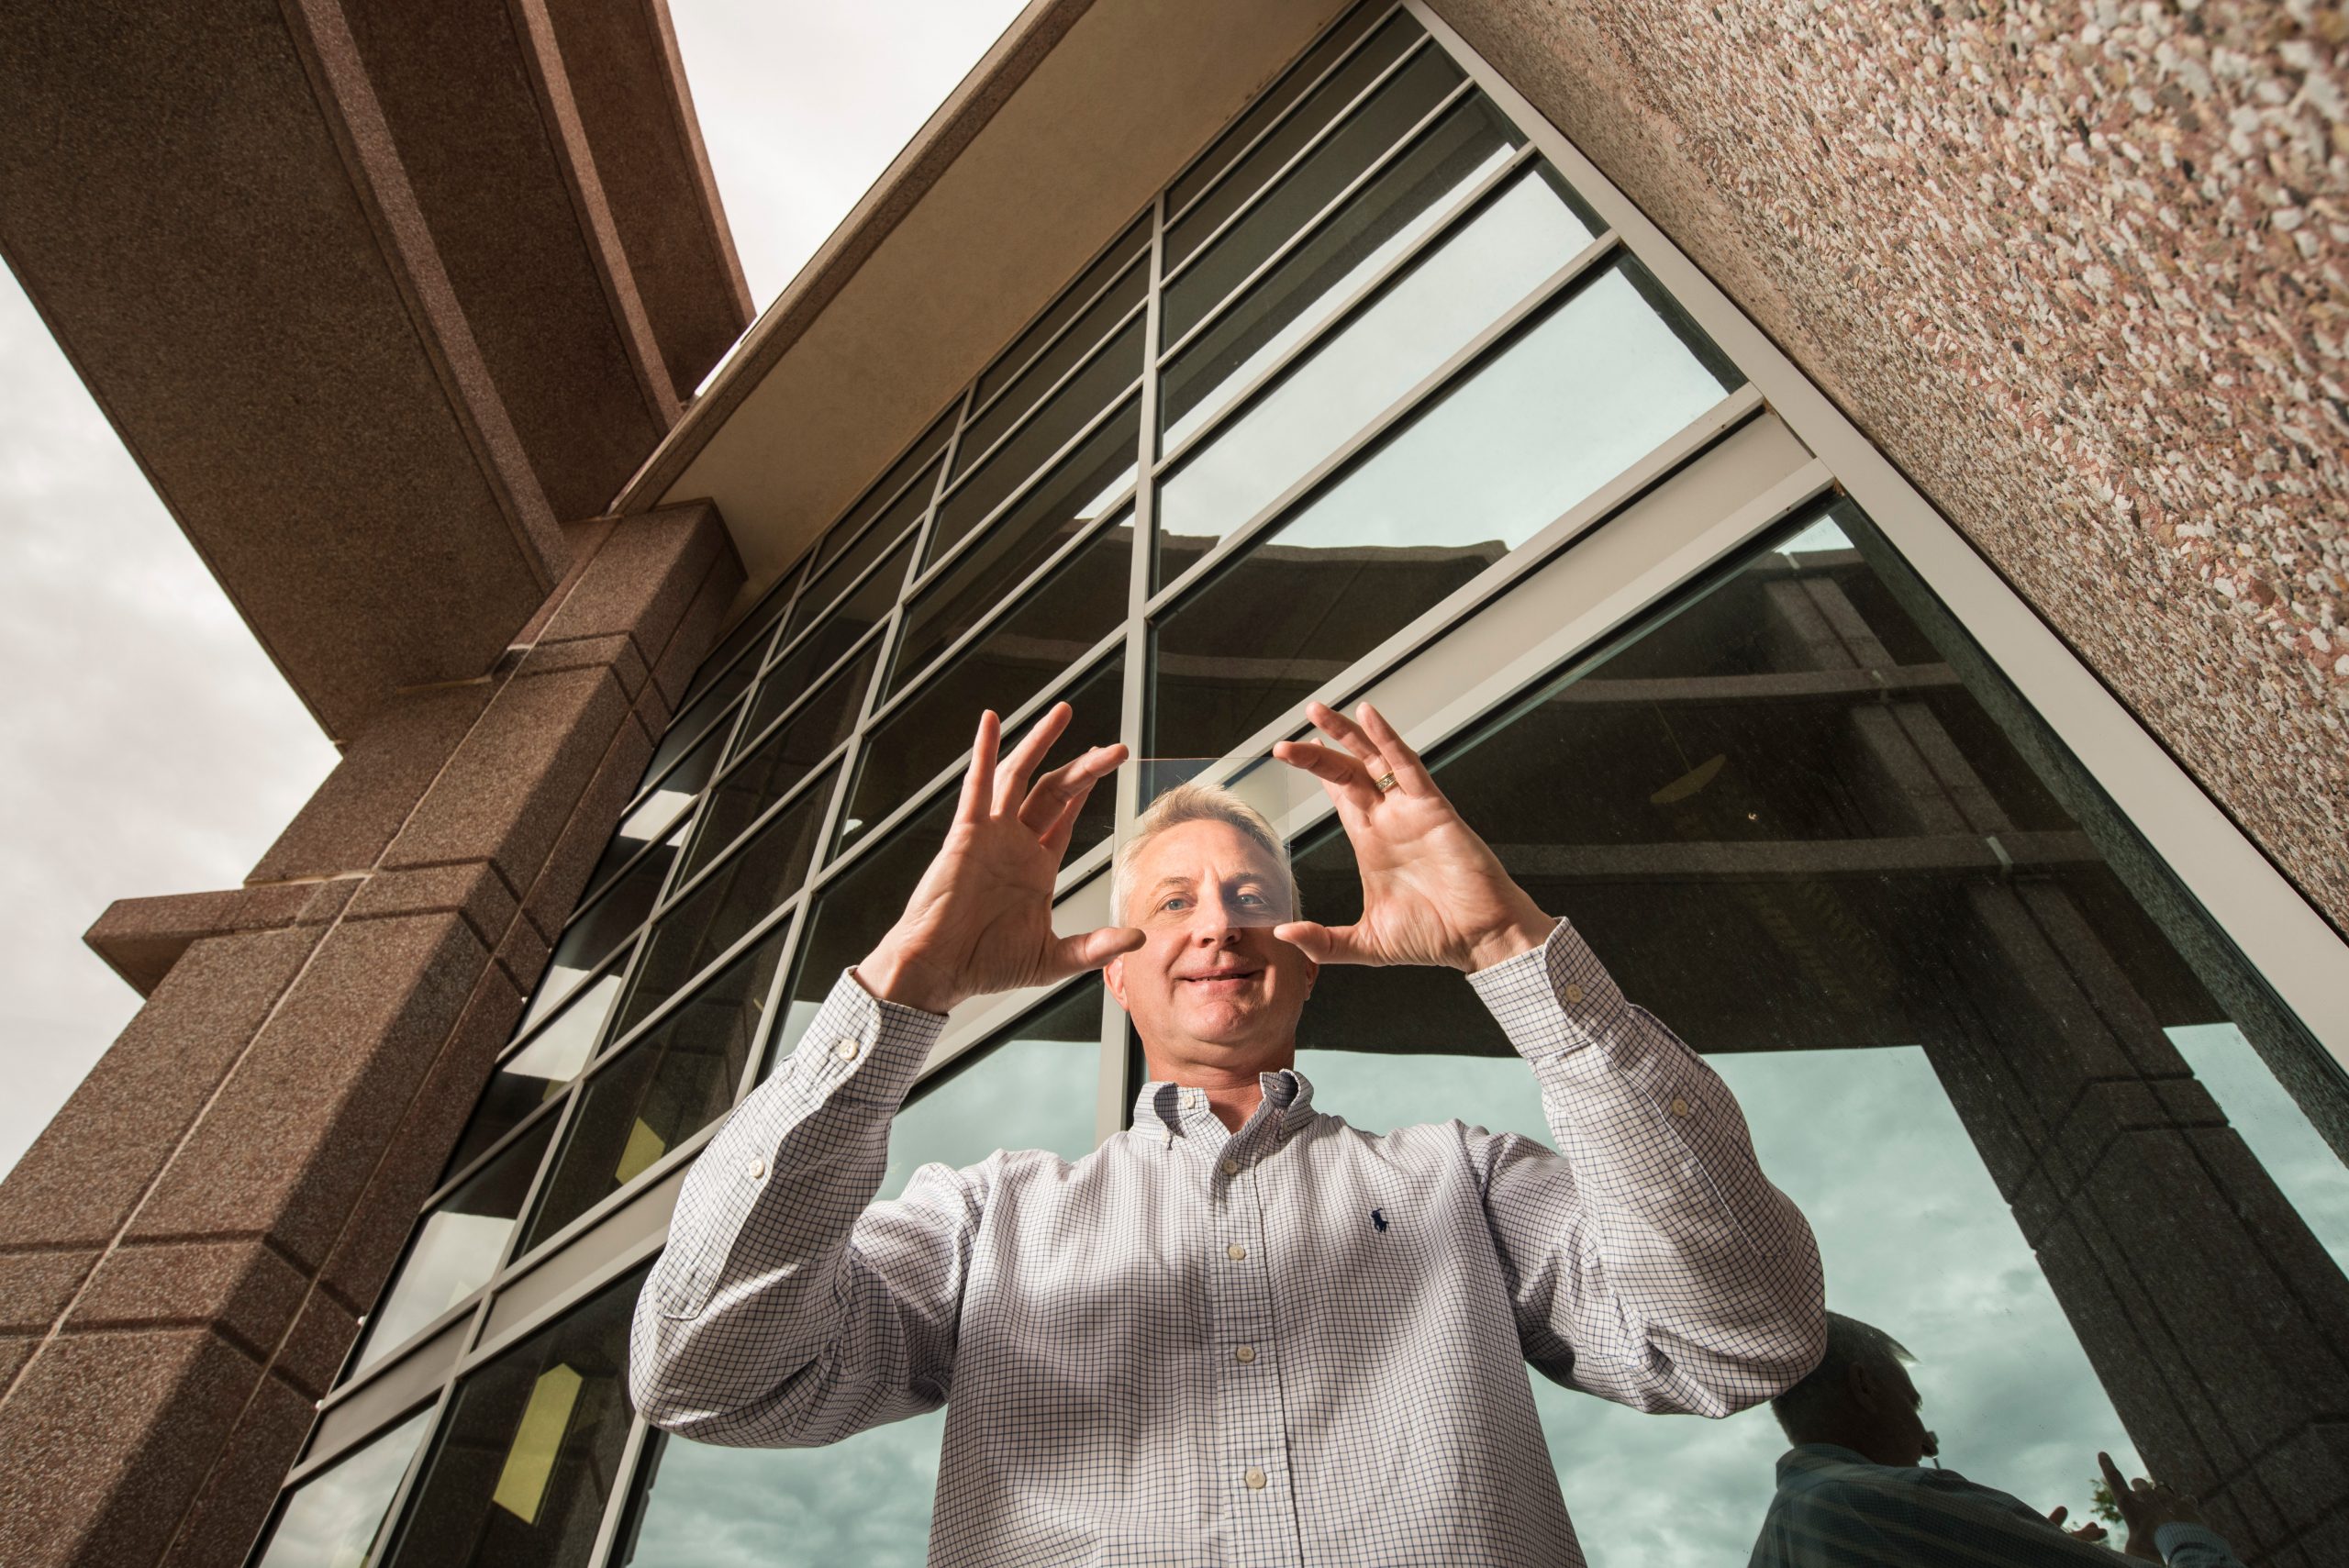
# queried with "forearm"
point(1709, 1266)
point(749, 1289)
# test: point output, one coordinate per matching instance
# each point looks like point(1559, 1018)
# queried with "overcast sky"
point(150, 747)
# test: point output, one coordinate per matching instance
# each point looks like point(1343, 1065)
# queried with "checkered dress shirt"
point(1300, 1343)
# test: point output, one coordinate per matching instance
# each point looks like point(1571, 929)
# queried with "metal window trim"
point(1086, 663)
point(1403, 146)
point(754, 1071)
point(623, 1493)
point(855, 584)
point(981, 405)
point(607, 1272)
point(961, 481)
point(2280, 933)
point(780, 594)
point(646, 789)
point(977, 631)
point(616, 960)
point(692, 987)
point(310, 1465)
point(949, 416)
point(1116, 405)
point(1345, 14)
point(1319, 138)
point(1584, 265)
point(1346, 313)
point(481, 1161)
point(562, 1239)
point(455, 1313)
point(1090, 354)
point(746, 745)
point(938, 490)
point(693, 883)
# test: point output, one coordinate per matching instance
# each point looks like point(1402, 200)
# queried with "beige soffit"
point(1080, 112)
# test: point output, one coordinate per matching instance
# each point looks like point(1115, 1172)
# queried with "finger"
point(2088, 1533)
point(1341, 776)
point(1012, 778)
point(1051, 793)
point(1061, 829)
point(1409, 772)
point(1346, 733)
point(2058, 1514)
point(1327, 945)
point(1074, 955)
point(973, 805)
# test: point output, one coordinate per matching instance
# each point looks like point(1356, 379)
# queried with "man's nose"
point(1213, 925)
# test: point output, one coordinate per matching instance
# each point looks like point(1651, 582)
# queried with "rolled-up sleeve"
point(1648, 1259)
point(785, 1311)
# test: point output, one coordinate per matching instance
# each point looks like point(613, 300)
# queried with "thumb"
point(1074, 955)
point(2058, 1514)
point(1326, 944)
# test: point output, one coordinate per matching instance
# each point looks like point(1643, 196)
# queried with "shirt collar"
point(1287, 1092)
point(1814, 1456)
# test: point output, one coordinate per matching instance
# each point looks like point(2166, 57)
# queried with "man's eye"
point(1173, 904)
point(1255, 898)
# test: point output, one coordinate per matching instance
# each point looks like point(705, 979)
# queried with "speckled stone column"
point(2082, 269)
point(186, 1251)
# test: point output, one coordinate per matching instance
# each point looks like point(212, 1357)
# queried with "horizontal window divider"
point(892, 701)
point(818, 772)
point(455, 1313)
point(619, 1198)
point(1369, 31)
point(1343, 316)
point(1684, 447)
point(1256, 198)
point(506, 1139)
point(744, 747)
point(723, 714)
point(704, 679)
point(612, 1051)
point(312, 1462)
point(879, 512)
point(1000, 393)
point(1110, 509)
point(1141, 254)
point(522, 1042)
point(847, 592)
point(1115, 406)
point(1083, 666)
point(488, 1348)
point(1404, 145)
point(597, 894)
point(1464, 359)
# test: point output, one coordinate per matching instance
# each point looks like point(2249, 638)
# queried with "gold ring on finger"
point(1384, 783)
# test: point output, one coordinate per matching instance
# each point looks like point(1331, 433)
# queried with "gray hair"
point(1850, 1343)
point(1198, 803)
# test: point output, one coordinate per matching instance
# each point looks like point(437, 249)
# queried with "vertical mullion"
point(387, 1530)
point(617, 1507)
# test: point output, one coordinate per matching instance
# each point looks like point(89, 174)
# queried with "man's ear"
point(1866, 1393)
point(1312, 973)
point(1113, 975)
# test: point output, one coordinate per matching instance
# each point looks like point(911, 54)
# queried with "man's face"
point(1210, 985)
point(1899, 1435)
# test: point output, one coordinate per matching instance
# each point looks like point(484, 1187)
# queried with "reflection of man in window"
point(1240, 1332)
point(1851, 1494)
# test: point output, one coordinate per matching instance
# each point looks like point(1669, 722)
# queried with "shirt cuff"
point(860, 1048)
point(1555, 997)
point(2171, 1539)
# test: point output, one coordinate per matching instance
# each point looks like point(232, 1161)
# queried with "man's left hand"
point(1434, 892)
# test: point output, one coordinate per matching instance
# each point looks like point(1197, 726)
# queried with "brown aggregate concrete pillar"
point(186, 1251)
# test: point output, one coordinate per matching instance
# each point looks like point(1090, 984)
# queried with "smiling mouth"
point(1220, 976)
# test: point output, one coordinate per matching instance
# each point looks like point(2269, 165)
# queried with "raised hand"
point(2090, 1532)
point(2146, 1505)
point(981, 918)
point(1434, 892)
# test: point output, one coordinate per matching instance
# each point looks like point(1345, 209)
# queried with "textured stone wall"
point(2082, 271)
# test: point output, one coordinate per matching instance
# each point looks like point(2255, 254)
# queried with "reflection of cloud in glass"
point(1915, 1238)
point(2278, 1130)
point(867, 1500)
point(332, 1517)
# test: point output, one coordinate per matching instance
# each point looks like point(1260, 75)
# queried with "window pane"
point(1001, 672)
point(880, 591)
point(754, 628)
point(855, 614)
point(1488, 264)
point(1592, 386)
point(1048, 517)
point(1269, 103)
point(708, 711)
point(777, 763)
point(867, 1500)
point(720, 909)
point(657, 812)
point(789, 681)
point(1381, 222)
point(1324, 104)
point(986, 429)
point(603, 926)
point(2012, 1076)
point(456, 1246)
point(1091, 390)
point(530, 1450)
point(540, 1070)
point(667, 1086)
point(889, 487)
point(1133, 242)
point(331, 1519)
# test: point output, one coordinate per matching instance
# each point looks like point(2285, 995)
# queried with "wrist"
point(890, 975)
point(1522, 934)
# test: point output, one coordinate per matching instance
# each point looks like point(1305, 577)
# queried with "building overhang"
point(1045, 152)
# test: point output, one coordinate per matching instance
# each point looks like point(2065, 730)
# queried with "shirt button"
point(1255, 1479)
point(1235, 1251)
point(845, 1050)
point(1679, 1105)
point(1232, 1167)
point(1574, 994)
point(1246, 1353)
point(757, 1168)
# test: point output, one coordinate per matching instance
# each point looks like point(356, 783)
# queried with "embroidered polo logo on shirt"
point(1378, 1219)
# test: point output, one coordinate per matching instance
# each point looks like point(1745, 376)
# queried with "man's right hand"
point(2146, 1505)
point(981, 920)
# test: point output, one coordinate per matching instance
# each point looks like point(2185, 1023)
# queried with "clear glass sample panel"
point(867, 1500)
point(2012, 1076)
point(530, 1451)
point(1381, 222)
point(1048, 517)
point(1325, 103)
point(1485, 266)
point(980, 435)
point(457, 1246)
point(879, 592)
point(1588, 389)
point(540, 1070)
point(669, 1085)
point(775, 766)
point(1133, 242)
point(1325, 173)
point(720, 909)
point(1268, 105)
point(1000, 672)
point(1083, 396)
point(889, 488)
point(331, 1519)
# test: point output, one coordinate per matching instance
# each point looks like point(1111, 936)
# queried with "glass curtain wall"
point(1328, 394)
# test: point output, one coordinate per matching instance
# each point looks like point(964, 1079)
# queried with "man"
point(1851, 1493)
point(1240, 1332)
